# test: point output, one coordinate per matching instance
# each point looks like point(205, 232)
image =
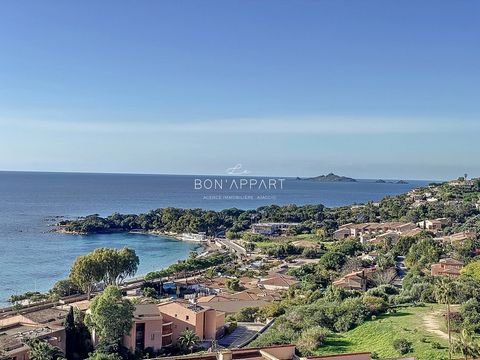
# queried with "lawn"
point(416, 324)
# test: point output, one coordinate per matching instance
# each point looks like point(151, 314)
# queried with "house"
point(207, 323)
point(463, 184)
point(447, 267)
point(46, 324)
point(343, 232)
point(158, 326)
point(230, 306)
point(278, 281)
point(353, 281)
point(272, 228)
point(435, 225)
point(219, 283)
point(233, 303)
point(458, 237)
point(366, 231)
point(359, 280)
point(388, 236)
point(275, 352)
point(148, 329)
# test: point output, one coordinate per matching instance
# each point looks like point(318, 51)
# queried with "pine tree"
point(70, 334)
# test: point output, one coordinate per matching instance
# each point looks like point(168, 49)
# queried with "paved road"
point(232, 246)
point(242, 333)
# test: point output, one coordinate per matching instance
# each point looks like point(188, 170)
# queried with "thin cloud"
point(310, 125)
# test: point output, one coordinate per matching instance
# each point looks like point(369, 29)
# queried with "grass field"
point(420, 325)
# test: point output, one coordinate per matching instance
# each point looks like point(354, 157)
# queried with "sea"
point(32, 258)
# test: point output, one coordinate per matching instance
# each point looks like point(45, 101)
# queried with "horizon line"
point(226, 175)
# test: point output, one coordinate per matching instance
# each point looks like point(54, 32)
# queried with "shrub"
point(375, 305)
point(230, 327)
point(149, 292)
point(403, 346)
point(247, 314)
point(311, 339)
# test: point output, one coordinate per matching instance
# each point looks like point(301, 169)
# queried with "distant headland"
point(401, 182)
point(329, 178)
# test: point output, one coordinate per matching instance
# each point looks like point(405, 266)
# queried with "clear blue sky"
point(386, 89)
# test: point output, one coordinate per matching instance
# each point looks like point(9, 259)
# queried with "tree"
point(445, 294)
point(115, 265)
point(470, 312)
point(188, 340)
point(472, 270)
point(233, 284)
point(78, 338)
point(85, 272)
point(466, 345)
point(332, 260)
point(69, 334)
point(247, 314)
point(111, 315)
point(425, 252)
point(111, 266)
point(42, 350)
point(64, 288)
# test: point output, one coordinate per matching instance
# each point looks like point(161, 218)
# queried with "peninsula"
point(331, 177)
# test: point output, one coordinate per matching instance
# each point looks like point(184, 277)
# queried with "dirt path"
point(431, 324)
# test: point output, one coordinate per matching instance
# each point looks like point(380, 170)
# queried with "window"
point(175, 315)
point(152, 337)
point(186, 328)
point(187, 317)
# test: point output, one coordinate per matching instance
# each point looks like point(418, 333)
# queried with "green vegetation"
point(191, 265)
point(111, 266)
point(41, 350)
point(472, 270)
point(379, 335)
point(188, 340)
point(78, 338)
point(111, 316)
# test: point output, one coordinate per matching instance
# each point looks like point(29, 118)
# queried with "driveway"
point(242, 333)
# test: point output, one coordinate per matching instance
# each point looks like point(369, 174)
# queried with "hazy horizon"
point(219, 175)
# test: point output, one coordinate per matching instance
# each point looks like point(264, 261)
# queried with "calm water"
point(33, 259)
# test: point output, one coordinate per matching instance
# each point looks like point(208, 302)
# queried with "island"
point(401, 182)
point(329, 178)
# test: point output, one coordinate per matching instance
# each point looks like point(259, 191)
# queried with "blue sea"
point(32, 258)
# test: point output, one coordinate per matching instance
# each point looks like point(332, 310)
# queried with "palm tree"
point(188, 339)
point(466, 345)
point(445, 294)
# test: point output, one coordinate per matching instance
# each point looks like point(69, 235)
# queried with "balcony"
point(167, 329)
point(167, 340)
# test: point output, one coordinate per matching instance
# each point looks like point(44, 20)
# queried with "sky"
point(368, 89)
